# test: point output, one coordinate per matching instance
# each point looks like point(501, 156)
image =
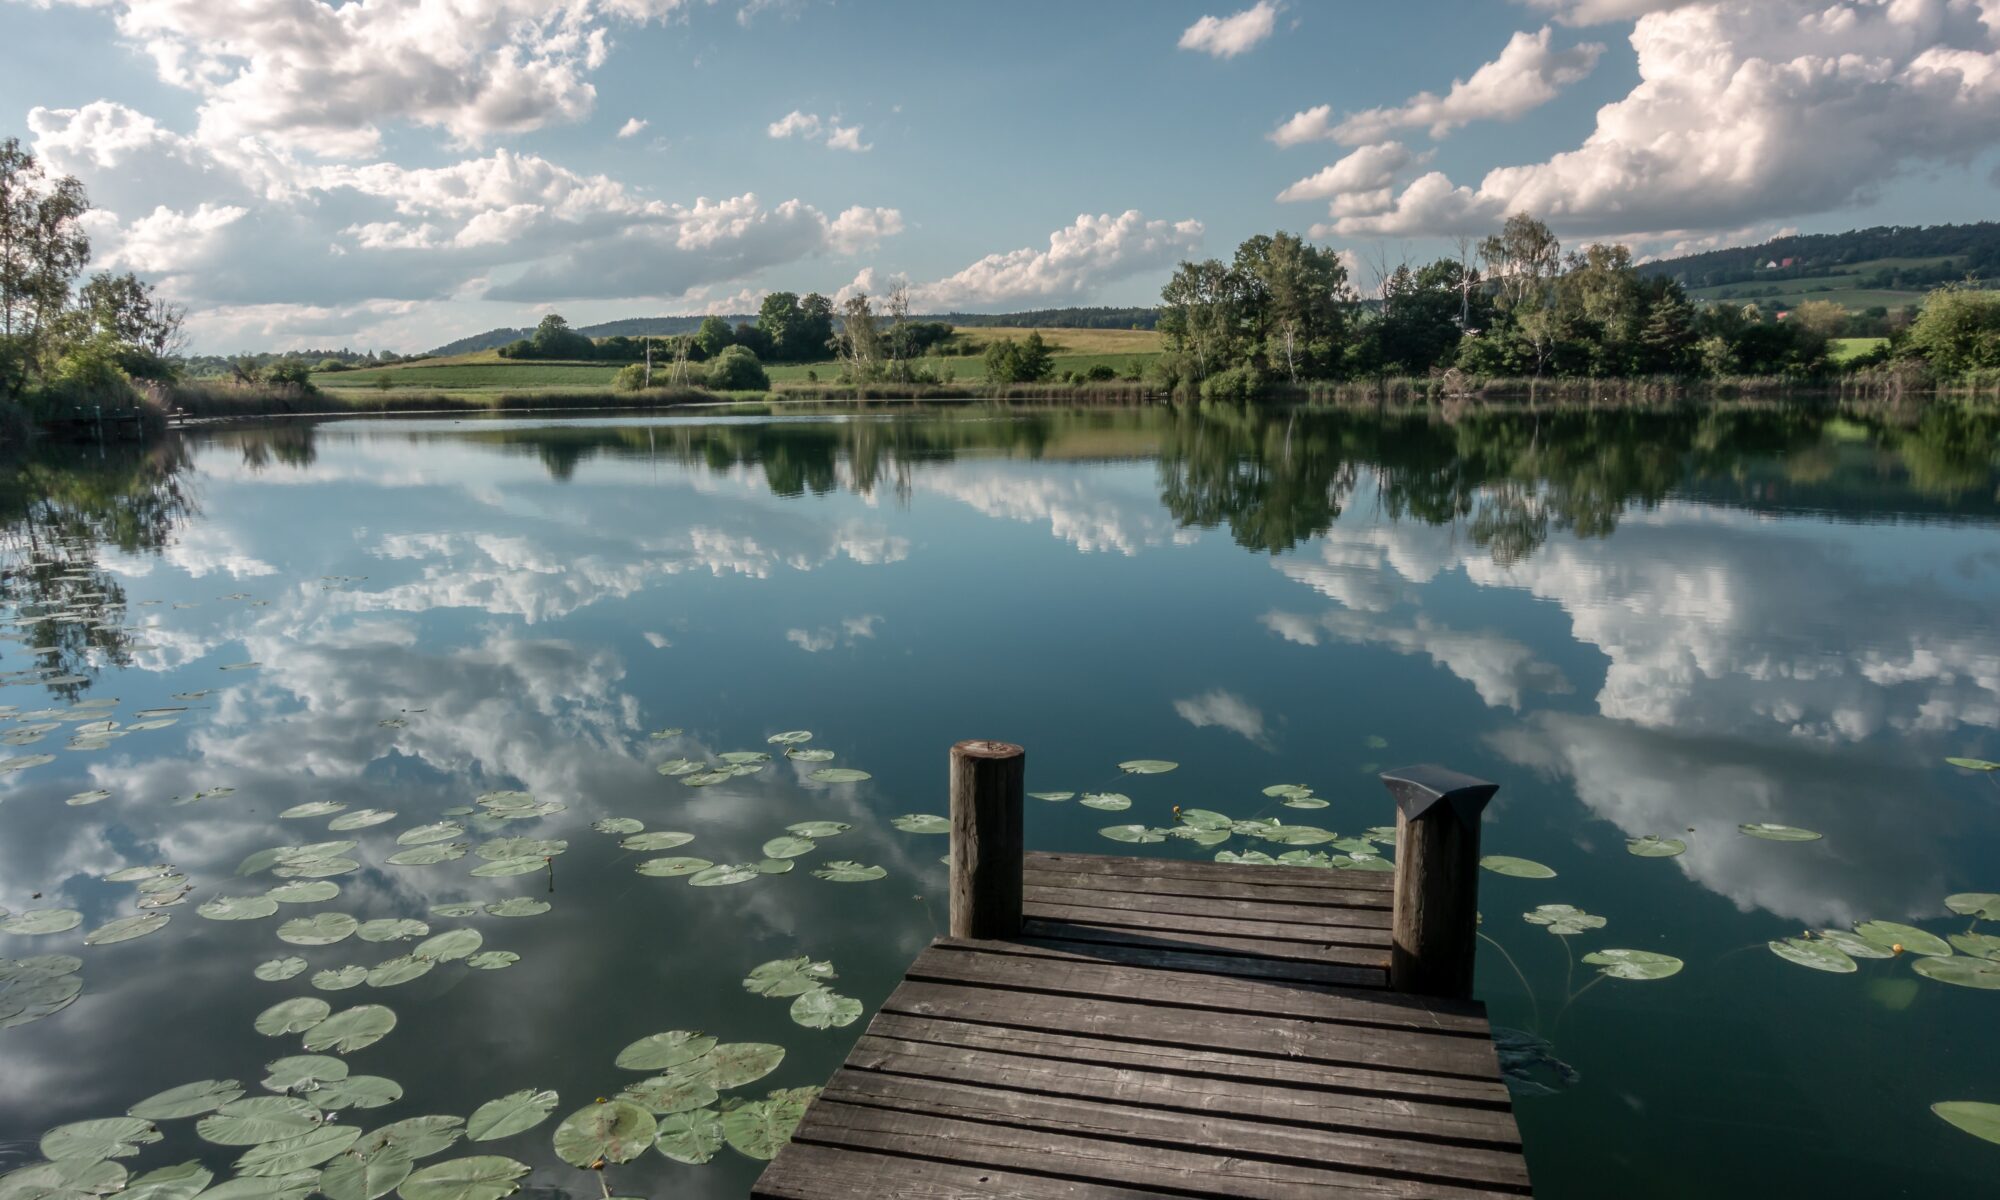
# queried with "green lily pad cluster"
point(814, 1004)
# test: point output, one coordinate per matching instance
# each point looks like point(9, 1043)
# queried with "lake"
point(1667, 624)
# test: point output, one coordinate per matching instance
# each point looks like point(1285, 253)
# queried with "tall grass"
point(212, 399)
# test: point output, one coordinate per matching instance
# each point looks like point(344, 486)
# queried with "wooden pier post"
point(1435, 925)
point(986, 846)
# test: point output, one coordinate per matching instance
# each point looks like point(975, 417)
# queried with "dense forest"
point(1972, 249)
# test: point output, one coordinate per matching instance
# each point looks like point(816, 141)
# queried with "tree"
point(861, 338)
point(736, 369)
point(555, 339)
point(1957, 330)
point(714, 337)
point(814, 328)
point(1522, 256)
point(783, 322)
point(132, 313)
point(43, 248)
point(1025, 361)
point(1201, 315)
point(1296, 300)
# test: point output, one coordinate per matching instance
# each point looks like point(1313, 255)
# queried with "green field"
point(1842, 349)
point(485, 371)
point(1842, 289)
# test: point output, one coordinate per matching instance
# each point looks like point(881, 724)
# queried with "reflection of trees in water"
point(59, 509)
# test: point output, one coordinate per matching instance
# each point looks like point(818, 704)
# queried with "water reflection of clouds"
point(1105, 509)
point(1501, 669)
point(1706, 624)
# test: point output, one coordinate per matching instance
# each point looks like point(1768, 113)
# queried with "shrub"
point(290, 372)
point(736, 369)
point(1236, 385)
point(1101, 373)
point(631, 378)
point(1958, 330)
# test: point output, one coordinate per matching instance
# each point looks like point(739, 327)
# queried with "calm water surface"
point(1636, 624)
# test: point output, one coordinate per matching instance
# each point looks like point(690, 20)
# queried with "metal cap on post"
point(1436, 918)
point(986, 844)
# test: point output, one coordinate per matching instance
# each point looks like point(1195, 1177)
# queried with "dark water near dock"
point(1638, 623)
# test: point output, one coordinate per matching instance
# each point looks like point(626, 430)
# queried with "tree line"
point(1515, 304)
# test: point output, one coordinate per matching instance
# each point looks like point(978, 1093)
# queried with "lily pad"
point(424, 835)
point(320, 929)
point(290, 1154)
point(724, 875)
point(42, 920)
point(1908, 938)
point(296, 1185)
point(1974, 1117)
point(360, 818)
point(843, 871)
point(808, 754)
point(301, 1071)
point(392, 929)
point(818, 830)
point(1778, 833)
point(1984, 905)
point(668, 868)
point(358, 1091)
point(1964, 972)
point(1978, 945)
point(1563, 919)
point(481, 1177)
point(838, 775)
point(238, 908)
point(183, 1181)
point(734, 1064)
point(787, 977)
point(690, 1137)
point(258, 1119)
point(519, 906)
point(1633, 964)
point(790, 737)
point(419, 1137)
point(615, 1131)
point(277, 970)
point(618, 825)
point(296, 1015)
point(353, 1176)
point(660, 1051)
point(94, 796)
point(1053, 797)
point(664, 1095)
point(1133, 833)
point(451, 944)
point(1519, 868)
point(516, 1112)
point(70, 1179)
point(1854, 945)
point(400, 969)
point(1815, 953)
point(824, 1008)
point(339, 979)
point(658, 840)
point(92, 1141)
point(1147, 766)
point(1655, 846)
point(356, 1028)
point(922, 823)
point(313, 808)
point(455, 909)
point(1974, 764)
point(124, 929)
point(492, 960)
point(425, 856)
point(511, 866)
point(758, 1129)
point(187, 1100)
point(1106, 801)
point(304, 891)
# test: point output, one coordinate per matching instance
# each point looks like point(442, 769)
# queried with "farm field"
point(1842, 288)
point(1842, 349)
point(473, 372)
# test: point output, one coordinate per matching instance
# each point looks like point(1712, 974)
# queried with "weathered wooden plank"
point(968, 961)
point(1169, 923)
point(1205, 908)
point(1390, 1086)
point(1179, 958)
point(808, 1172)
point(1164, 868)
point(1164, 1169)
point(1120, 1122)
point(1224, 889)
point(1210, 943)
point(1264, 1099)
point(1281, 1037)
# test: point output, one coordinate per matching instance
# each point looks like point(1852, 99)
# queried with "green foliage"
point(1025, 361)
point(290, 373)
point(631, 378)
point(1958, 330)
point(736, 369)
point(714, 337)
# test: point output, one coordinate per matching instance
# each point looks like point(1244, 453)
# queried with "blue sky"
point(399, 173)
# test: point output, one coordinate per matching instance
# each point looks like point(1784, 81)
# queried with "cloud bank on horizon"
point(303, 172)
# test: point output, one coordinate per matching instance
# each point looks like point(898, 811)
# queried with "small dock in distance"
point(1103, 1027)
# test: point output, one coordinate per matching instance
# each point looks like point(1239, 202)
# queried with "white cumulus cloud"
point(1529, 73)
point(1091, 251)
point(633, 127)
point(810, 127)
point(1227, 37)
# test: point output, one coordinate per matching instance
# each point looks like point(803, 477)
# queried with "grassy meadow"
point(485, 371)
point(1844, 288)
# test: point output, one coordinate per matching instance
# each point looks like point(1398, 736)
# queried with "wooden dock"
point(1161, 1028)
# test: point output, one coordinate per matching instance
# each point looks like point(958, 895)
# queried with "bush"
point(1236, 385)
point(290, 372)
point(631, 378)
point(1101, 373)
point(1025, 361)
point(1958, 330)
point(736, 369)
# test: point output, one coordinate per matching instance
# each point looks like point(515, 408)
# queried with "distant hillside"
point(492, 339)
point(1889, 266)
